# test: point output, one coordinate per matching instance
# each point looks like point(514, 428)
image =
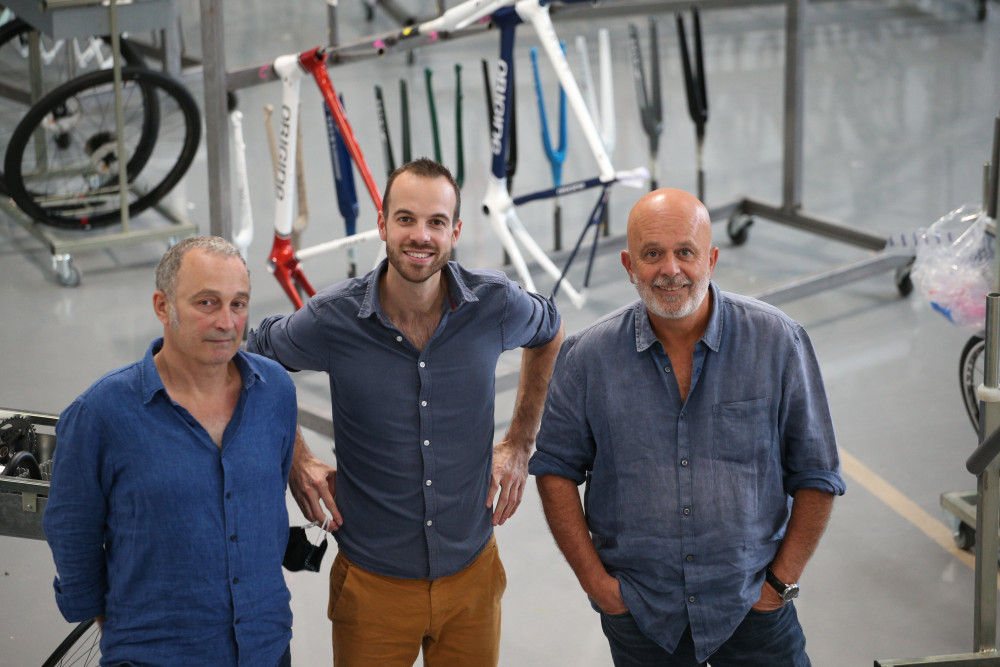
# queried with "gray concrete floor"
point(898, 110)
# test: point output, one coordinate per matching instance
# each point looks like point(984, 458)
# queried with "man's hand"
point(510, 473)
point(769, 600)
point(608, 596)
point(311, 480)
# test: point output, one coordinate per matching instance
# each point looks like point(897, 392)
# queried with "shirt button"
point(687, 510)
point(236, 580)
point(232, 538)
point(428, 482)
point(430, 523)
point(423, 404)
point(689, 558)
point(427, 443)
point(229, 495)
point(682, 415)
point(691, 599)
point(238, 621)
point(399, 339)
point(684, 462)
point(422, 364)
point(666, 368)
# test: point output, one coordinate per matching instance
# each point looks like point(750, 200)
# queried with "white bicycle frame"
point(499, 203)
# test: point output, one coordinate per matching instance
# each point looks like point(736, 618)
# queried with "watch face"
point(791, 592)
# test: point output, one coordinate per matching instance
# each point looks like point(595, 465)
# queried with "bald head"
point(670, 257)
point(668, 208)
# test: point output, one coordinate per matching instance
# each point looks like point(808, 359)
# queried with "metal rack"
point(739, 214)
point(62, 19)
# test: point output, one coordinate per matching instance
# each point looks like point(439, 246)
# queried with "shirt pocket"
point(739, 429)
point(740, 441)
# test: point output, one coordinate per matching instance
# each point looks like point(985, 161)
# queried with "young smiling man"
point(411, 352)
point(166, 515)
point(699, 422)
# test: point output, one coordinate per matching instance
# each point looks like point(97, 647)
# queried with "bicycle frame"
point(498, 203)
point(284, 260)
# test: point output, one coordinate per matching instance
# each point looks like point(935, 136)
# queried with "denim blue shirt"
point(413, 429)
point(687, 501)
point(177, 542)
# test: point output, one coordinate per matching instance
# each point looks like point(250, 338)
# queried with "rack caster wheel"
point(964, 536)
point(904, 283)
point(67, 274)
point(738, 228)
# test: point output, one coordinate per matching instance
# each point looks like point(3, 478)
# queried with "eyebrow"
point(215, 293)
point(406, 211)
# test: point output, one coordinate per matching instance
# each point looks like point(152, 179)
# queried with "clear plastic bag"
point(953, 268)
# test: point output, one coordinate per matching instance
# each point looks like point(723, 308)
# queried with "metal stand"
point(65, 19)
point(740, 214)
point(981, 510)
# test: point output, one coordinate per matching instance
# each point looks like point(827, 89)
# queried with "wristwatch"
point(785, 591)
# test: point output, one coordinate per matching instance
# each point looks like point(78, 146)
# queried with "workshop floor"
point(899, 104)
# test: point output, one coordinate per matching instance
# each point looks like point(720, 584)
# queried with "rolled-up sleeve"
point(808, 445)
point(530, 320)
point(75, 515)
point(565, 444)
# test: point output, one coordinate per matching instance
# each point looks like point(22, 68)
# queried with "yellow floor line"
point(903, 506)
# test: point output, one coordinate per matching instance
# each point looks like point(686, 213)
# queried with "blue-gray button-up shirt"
point(178, 542)
point(687, 501)
point(413, 429)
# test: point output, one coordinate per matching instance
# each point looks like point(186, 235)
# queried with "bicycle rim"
point(81, 647)
point(58, 66)
point(971, 365)
point(63, 159)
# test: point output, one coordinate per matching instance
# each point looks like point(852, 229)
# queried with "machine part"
point(73, 186)
point(17, 434)
point(22, 464)
point(81, 647)
point(971, 364)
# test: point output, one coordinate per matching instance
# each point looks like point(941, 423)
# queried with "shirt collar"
point(458, 292)
point(644, 336)
point(151, 384)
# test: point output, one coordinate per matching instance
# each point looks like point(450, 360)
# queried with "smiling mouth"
point(417, 254)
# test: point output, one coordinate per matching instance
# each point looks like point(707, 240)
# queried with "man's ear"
point(161, 306)
point(381, 226)
point(627, 263)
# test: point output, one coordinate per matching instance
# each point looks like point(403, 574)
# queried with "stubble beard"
point(659, 308)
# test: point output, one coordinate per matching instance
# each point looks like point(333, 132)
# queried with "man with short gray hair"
point(166, 515)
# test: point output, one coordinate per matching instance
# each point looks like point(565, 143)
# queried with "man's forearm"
point(811, 510)
point(533, 384)
point(564, 514)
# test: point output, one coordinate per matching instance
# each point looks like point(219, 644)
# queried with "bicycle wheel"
point(62, 162)
point(81, 647)
point(970, 375)
point(61, 61)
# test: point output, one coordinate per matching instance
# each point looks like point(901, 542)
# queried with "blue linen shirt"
point(687, 502)
point(413, 429)
point(177, 542)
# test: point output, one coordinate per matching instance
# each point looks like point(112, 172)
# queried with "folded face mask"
point(301, 553)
